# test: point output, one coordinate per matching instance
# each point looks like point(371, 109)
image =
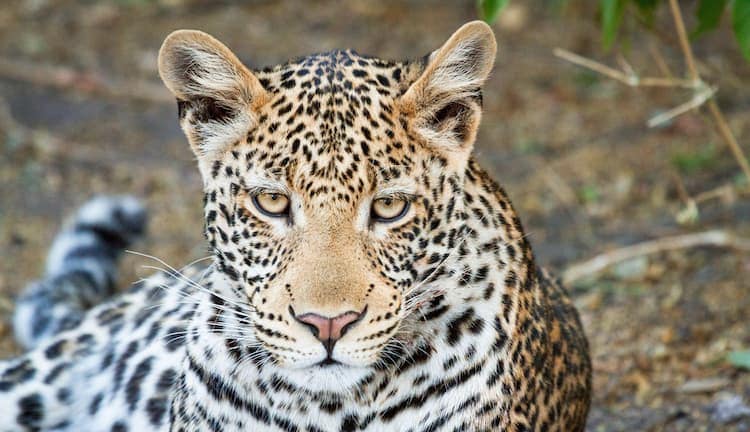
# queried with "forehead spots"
point(329, 125)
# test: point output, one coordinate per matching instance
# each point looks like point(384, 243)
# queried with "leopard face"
point(333, 191)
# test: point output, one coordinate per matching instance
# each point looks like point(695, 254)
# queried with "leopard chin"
point(332, 378)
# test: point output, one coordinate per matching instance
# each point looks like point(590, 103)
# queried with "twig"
point(726, 193)
point(687, 51)
point(631, 80)
point(593, 65)
point(721, 124)
point(629, 71)
point(728, 136)
point(702, 93)
point(86, 82)
point(689, 213)
point(698, 99)
point(715, 238)
point(681, 190)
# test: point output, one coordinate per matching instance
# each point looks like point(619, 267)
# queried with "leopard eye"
point(271, 204)
point(389, 209)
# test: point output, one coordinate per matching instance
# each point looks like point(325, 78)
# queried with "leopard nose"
point(329, 330)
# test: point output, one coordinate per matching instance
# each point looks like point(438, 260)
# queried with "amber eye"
point(389, 209)
point(271, 204)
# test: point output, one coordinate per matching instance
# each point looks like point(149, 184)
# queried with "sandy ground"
point(571, 148)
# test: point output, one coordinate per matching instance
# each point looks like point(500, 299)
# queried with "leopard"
point(365, 273)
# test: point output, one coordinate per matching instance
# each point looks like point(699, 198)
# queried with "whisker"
point(176, 274)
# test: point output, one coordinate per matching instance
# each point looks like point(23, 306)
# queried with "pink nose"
point(329, 330)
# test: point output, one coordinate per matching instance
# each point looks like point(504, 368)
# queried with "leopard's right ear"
point(217, 95)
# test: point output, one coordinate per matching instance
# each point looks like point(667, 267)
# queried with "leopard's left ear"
point(444, 104)
point(217, 95)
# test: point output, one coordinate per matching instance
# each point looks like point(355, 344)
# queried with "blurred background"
point(82, 112)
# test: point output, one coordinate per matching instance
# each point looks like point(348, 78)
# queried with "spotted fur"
point(457, 328)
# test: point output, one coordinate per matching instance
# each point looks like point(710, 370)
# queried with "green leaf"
point(647, 9)
point(695, 161)
point(490, 9)
point(589, 194)
point(741, 25)
point(709, 14)
point(740, 359)
point(611, 16)
point(646, 5)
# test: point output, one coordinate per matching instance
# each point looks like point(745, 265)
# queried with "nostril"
point(344, 322)
point(313, 329)
point(319, 325)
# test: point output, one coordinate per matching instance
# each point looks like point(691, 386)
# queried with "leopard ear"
point(216, 94)
point(444, 104)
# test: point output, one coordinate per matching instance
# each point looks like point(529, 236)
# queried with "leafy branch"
point(702, 92)
point(708, 15)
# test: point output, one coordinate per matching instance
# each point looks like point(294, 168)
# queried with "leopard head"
point(333, 188)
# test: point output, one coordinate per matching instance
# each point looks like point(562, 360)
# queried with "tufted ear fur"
point(444, 104)
point(216, 94)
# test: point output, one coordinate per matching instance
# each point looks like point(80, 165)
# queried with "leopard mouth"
point(328, 362)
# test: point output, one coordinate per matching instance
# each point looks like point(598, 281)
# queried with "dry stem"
point(687, 51)
point(593, 266)
point(721, 124)
point(699, 98)
point(726, 133)
point(630, 79)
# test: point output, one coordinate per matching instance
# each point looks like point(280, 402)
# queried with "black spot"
point(119, 426)
point(55, 373)
point(455, 326)
point(174, 338)
point(365, 148)
point(63, 395)
point(288, 83)
point(133, 388)
point(166, 379)
point(54, 350)
point(20, 373)
point(31, 411)
point(95, 403)
point(156, 408)
point(349, 423)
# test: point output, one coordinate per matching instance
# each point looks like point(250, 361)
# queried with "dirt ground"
point(82, 112)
